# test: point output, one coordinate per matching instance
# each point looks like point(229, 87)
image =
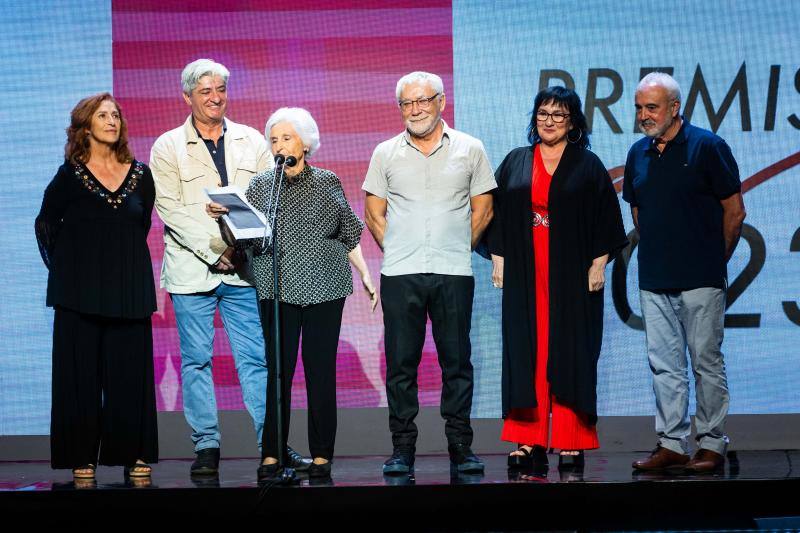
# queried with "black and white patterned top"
point(317, 228)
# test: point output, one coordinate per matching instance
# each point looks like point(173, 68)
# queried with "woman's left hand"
point(366, 280)
point(597, 277)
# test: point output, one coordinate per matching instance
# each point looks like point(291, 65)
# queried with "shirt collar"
point(445, 133)
point(680, 137)
point(200, 137)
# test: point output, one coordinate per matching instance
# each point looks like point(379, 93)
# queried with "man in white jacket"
point(201, 272)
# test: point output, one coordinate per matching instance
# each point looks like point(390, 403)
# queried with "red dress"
point(530, 425)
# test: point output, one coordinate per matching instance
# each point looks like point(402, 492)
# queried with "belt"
point(541, 220)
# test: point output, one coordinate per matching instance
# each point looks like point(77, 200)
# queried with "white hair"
point(197, 69)
point(302, 122)
point(661, 79)
point(433, 80)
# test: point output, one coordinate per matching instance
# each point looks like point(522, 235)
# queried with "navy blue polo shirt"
point(678, 193)
point(217, 153)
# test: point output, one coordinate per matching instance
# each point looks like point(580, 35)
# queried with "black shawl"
point(585, 222)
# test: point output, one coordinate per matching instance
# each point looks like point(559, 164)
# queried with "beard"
point(423, 128)
point(653, 130)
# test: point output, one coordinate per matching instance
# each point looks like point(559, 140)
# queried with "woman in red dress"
point(557, 225)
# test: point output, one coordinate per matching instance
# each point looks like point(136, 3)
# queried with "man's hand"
point(482, 207)
point(375, 217)
point(215, 210)
point(225, 262)
point(733, 214)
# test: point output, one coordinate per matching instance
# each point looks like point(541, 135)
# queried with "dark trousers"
point(320, 325)
point(104, 399)
point(407, 302)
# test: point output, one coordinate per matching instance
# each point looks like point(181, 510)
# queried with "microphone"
point(291, 161)
point(280, 159)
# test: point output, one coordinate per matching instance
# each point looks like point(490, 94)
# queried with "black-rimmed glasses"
point(558, 117)
point(423, 103)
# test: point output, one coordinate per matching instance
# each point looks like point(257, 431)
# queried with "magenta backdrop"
point(340, 60)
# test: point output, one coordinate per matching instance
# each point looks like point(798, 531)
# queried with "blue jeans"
point(194, 314)
point(674, 321)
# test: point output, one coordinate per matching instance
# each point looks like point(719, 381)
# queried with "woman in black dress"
point(92, 234)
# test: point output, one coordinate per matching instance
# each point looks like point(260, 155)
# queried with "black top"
point(94, 242)
point(217, 152)
point(585, 223)
point(678, 193)
point(317, 228)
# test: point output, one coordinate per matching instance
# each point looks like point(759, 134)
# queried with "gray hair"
point(420, 77)
point(302, 122)
point(197, 69)
point(661, 79)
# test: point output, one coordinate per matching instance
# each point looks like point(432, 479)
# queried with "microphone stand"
point(285, 475)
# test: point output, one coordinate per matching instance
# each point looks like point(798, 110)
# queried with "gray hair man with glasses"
point(427, 203)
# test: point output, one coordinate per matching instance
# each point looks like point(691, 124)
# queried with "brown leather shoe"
point(662, 459)
point(705, 461)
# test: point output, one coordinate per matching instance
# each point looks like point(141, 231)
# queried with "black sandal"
point(523, 460)
point(84, 475)
point(571, 462)
point(138, 469)
point(536, 456)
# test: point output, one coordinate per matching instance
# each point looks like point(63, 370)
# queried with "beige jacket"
point(182, 168)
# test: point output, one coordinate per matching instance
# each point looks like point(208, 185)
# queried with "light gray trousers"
point(673, 321)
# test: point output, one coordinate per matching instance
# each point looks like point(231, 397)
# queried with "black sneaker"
point(206, 463)
point(463, 460)
point(296, 461)
point(401, 462)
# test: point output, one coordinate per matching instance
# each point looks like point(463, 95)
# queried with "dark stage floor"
point(756, 489)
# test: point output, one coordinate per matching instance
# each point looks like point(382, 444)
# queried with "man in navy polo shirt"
point(683, 186)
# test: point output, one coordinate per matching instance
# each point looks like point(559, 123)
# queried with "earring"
point(580, 134)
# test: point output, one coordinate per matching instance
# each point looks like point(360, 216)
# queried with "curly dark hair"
point(572, 102)
point(77, 148)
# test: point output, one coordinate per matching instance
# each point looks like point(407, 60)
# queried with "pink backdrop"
point(340, 60)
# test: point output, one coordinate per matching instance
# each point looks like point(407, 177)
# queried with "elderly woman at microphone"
point(318, 234)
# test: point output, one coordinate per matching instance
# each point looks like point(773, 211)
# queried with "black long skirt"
point(104, 404)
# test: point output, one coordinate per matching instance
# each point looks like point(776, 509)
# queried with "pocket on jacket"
point(245, 171)
point(193, 188)
point(248, 164)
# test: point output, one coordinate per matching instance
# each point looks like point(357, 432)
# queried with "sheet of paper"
point(244, 220)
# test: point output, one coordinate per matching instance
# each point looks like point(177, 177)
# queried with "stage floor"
point(755, 487)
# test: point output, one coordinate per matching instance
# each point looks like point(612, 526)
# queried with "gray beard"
point(654, 134)
point(427, 131)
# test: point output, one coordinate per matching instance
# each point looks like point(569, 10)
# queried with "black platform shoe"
point(571, 462)
point(535, 457)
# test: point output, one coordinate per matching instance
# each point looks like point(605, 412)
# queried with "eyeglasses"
point(423, 103)
point(557, 117)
